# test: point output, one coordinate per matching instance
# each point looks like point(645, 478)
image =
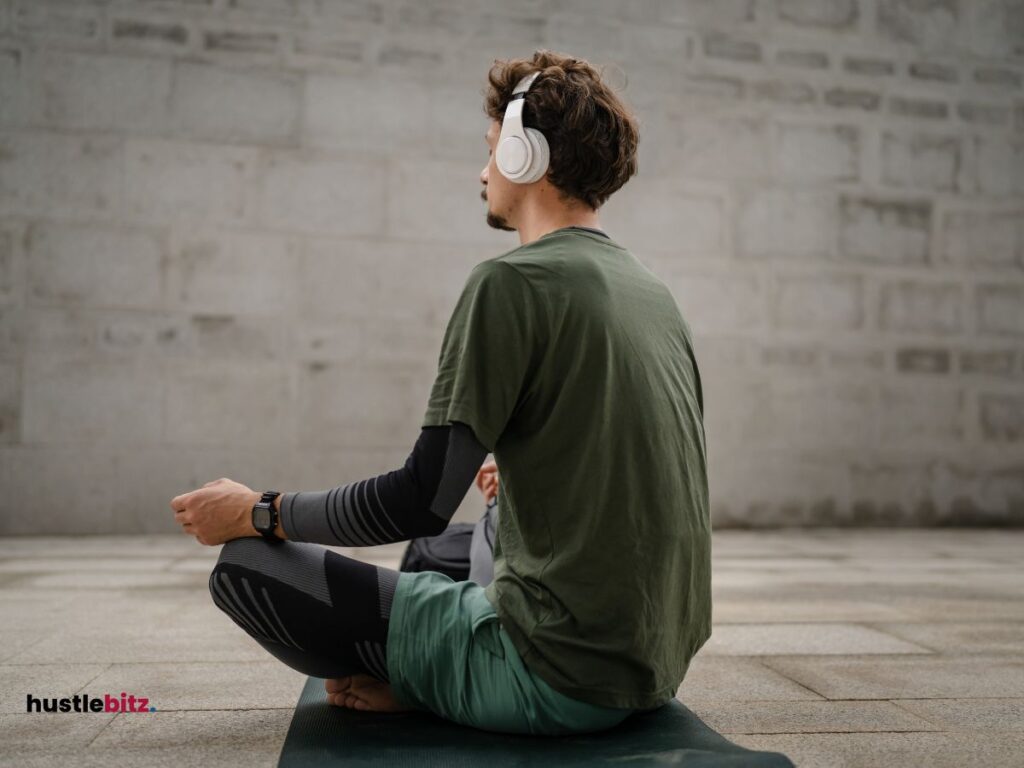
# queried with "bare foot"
point(362, 692)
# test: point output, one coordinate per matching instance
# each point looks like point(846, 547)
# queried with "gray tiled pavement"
point(836, 647)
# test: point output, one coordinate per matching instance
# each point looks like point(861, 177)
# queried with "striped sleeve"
point(418, 499)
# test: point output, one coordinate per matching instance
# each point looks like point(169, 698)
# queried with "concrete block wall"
point(231, 232)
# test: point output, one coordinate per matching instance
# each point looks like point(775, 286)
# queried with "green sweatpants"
point(448, 653)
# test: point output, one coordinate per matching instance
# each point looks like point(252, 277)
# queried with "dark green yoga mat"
point(321, 735)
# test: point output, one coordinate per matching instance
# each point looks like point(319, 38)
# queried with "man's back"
point(571, 361)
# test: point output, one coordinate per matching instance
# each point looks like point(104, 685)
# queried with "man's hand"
point(219, 511)
point(487, 480)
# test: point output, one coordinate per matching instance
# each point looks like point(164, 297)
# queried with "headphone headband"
point(524, 83)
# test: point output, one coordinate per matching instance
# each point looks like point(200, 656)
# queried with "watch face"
point(261, 518)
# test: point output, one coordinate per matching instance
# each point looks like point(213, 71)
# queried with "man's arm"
point(418, 499)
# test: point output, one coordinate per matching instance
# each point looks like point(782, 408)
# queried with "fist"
point(219, 511)
point(487, 480)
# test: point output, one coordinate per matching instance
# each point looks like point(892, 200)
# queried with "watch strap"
point(267, 500)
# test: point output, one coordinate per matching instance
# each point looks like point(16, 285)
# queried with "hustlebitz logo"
point(83, 702)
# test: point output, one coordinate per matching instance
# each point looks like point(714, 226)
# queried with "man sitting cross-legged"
point(570, 361)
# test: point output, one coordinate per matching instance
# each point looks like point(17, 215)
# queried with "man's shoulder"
point(497, 269)
point(525, 253)
point(524, 263)
point(499, 277)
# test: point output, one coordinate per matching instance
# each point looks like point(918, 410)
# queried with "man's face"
point(501, 195)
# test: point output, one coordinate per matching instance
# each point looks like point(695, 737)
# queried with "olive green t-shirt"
point(571, 362)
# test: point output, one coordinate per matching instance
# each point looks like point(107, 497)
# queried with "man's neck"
point(541, 221)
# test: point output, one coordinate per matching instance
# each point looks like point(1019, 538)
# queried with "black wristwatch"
point(265, 517)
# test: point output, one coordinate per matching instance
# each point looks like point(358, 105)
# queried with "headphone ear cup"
point(541, 156)
point(506, 155)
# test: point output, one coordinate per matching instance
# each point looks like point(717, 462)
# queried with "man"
point(569, 361)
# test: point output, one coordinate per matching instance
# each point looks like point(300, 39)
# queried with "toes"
point(338, 684)
point(361, 692)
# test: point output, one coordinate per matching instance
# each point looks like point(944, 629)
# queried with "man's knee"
point(299, 565)
point(245, 551)
point(238, 586)
point(230, 551)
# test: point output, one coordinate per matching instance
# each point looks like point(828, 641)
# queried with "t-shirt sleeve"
point(486, 354)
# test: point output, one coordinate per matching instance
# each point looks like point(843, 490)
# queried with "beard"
point(494, 220)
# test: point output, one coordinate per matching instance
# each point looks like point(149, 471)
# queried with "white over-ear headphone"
point(522, 152)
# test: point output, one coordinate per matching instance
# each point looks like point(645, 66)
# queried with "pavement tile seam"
point(190, 662)
point(819, 733)
point(952, 622)
point(941, 726)
point(101, 730)
point(101, 672)
point(847, 656)
point(813, 717)
point(759, 660)
point(716, 702)
point(937, 658)
point(18, 649)
point(765, 661)
point(858, 624)
point(866, 700)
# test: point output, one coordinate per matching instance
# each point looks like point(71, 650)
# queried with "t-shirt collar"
point(576, 227)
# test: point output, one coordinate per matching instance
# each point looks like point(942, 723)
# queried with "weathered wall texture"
point(231, 232)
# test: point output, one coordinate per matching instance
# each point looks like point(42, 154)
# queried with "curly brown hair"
point(591, 133)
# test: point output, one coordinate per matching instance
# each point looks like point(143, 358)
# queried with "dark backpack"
point(446, 553)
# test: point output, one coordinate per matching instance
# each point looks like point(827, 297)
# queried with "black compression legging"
point(321, 613)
